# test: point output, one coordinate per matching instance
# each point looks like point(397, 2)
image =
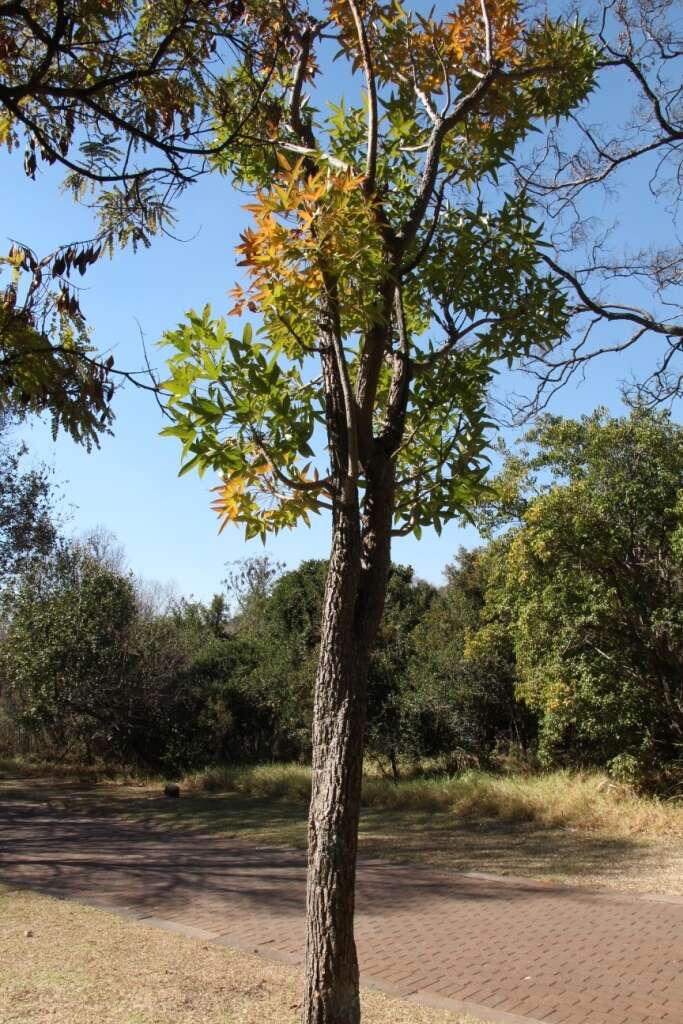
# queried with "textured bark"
point(331, 987)
point(355, 590)
point(354, 601)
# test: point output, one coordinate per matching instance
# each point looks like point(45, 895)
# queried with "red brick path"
point(503, 949)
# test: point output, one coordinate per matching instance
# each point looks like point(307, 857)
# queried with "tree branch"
point(611, 311)
point(366, 57)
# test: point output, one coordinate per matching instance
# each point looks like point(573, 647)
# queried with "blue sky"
point(131, 485)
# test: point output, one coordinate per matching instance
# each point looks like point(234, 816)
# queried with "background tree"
point(286, 634)
point(197, 704)
point(65, 650)
point(92, 671)
point(458, 704)
point(391, 729)
point(370, 222)
point(28, 524)
point(249, 584)
point(622, 274)
point(589, 590)
point(289, 643)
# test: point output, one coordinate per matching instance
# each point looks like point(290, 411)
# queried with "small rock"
point(172, 790)
point(28, 933)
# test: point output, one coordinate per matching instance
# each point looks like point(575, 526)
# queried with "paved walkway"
point(506, 950)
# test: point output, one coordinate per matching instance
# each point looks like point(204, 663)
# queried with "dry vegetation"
point(588, 801)
point(560, 827)
point(84, 966)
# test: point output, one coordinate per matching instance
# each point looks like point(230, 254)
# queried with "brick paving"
point(507, 950)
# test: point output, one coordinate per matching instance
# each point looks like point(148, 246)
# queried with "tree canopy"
point(377, 226)
point(123, 96)
point(587, 587)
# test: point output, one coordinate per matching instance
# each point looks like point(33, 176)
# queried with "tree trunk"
point(393, 761)
point(354, 600)
point(331, 986)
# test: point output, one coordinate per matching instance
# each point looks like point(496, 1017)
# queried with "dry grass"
point(86, 966)
point(588, 801)
point(288, 782)
point(578, 829)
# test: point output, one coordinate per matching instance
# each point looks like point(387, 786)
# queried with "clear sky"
point(130, 485)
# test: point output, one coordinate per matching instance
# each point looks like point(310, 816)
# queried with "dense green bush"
point(65, 654)
point(588, 586)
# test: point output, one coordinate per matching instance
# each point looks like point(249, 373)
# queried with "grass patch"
point(85, 966)
point(288, 782)
point(33, 768)
point(29, 768)
point(588, 801)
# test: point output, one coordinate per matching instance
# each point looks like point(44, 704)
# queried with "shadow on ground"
point(438, 839)
point(62, 845)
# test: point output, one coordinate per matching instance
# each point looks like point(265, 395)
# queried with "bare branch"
point(488, 35)
point(366, 57)
point(613, 311)
point(406, 234)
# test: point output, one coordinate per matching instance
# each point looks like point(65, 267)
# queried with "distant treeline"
point(558, 641)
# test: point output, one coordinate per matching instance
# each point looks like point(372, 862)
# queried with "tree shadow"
point(165, 832)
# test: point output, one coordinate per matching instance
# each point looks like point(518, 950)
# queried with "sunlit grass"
point(561, 799)
point(575, 828)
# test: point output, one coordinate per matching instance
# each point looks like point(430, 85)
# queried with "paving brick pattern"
point(508, 949)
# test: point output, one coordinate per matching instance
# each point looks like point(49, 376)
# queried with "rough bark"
point(354, 600)
point(331, 992)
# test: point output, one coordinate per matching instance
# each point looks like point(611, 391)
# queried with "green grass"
point(289, 782)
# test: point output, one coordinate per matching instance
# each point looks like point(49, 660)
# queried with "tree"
point(589, 589)
point(191, 684)
point(123, 96)
point(286, 633)
point(408, 603)
point(461, 704)
point(65, 651)
point(51, 369)
point(27, 518)
point(106, 549)
point(288, 637)
point(622, 283)
point(383, 252)
point(91, 670)
point(249, 584)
